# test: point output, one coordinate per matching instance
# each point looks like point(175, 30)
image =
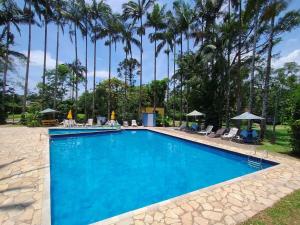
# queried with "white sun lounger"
point(207, 131)
point(232, 133)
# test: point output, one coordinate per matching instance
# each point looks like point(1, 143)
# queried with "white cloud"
point(37, 59)
point(293, 56)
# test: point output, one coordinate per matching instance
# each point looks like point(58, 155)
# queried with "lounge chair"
point(249, 137)
point(194, 127)
point(89, 123)
point(78, 124)
point(219, 133)
point(232, 133)
point(133, 123)
point(66, 123)
point(207, 131)
point(181, 128)
point(125, 123)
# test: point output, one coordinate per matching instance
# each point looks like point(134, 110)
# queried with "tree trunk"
point(154, 101)
point(45, 53)
point(265, 102)
point(5, 65)
point(28, 61)
point(109, 81)
point(181, 82)
point(86, 72)
point(76, 74)
point(239, 78)
point(94, 80)
point(141, 64)
point(168, 72)
point(56, 64)
point(174, 83)
point(251, 94)
point(228, 74)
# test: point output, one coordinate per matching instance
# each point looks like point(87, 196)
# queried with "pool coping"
point(46, 209)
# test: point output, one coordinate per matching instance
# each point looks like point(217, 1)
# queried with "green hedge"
point(295, 140)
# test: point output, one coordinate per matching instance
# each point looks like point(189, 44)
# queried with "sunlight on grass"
point(285, 212)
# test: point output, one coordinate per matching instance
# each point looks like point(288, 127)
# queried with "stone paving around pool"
point(24, 187)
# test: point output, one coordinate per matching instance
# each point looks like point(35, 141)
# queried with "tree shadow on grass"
point(12, 162)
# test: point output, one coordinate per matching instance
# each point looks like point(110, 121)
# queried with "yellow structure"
point(160, 111)
point(69, 116)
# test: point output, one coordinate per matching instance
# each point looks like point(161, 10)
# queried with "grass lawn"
point(284, 212)
point(17, 116)
point(282, 141)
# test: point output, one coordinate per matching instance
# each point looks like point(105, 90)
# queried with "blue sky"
point(289, 50)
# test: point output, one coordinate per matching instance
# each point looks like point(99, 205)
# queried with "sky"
point(288, 50)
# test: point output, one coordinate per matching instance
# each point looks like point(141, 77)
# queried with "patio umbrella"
point(48, 110)
point(195, 113)
point(247, 116)
point(69, 116)
point(113, 115)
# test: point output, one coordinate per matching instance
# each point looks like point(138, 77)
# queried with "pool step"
point(255, 163)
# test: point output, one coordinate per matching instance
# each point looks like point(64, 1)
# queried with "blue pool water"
point(95, 177)
point(76, 130)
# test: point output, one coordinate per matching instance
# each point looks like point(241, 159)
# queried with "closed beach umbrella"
point(69, 116)
point(113, 115)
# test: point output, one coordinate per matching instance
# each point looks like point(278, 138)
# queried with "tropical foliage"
point(222, 58)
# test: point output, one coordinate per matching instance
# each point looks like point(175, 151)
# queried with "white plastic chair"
point(89, 123)
point(133, 123)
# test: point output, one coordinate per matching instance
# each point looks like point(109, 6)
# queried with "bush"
point(295, 139)
point(32, 120)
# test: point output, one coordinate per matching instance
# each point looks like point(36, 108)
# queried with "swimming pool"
point(66, 131)
point(98, 176)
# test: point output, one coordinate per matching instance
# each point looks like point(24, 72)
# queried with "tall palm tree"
point(11, 16)
point(166, 38)
point(47, 13)
point(28, 11)
point(112, 29)
point(127, 38)
point(74, 14)
point(183, 18)
point(136, 11)
point(156, 20)
point(99, 12)
point(85, 13)
point(60, 22)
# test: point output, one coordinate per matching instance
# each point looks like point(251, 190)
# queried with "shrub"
point(295, 139)
point(32, 119)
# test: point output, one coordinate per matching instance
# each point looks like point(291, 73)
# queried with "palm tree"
point(127, 37)
point(11, 15)
point(98, 15)
point(112, 29)
point(166, 37)
point(156, 20)
point(78, 72)
point(184, 17)
point(85, 13)
point(29, 13)
point(136, 11)
point(60, 22)
point(47, 13)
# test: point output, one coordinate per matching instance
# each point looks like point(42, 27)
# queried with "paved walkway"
point(24, 164)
